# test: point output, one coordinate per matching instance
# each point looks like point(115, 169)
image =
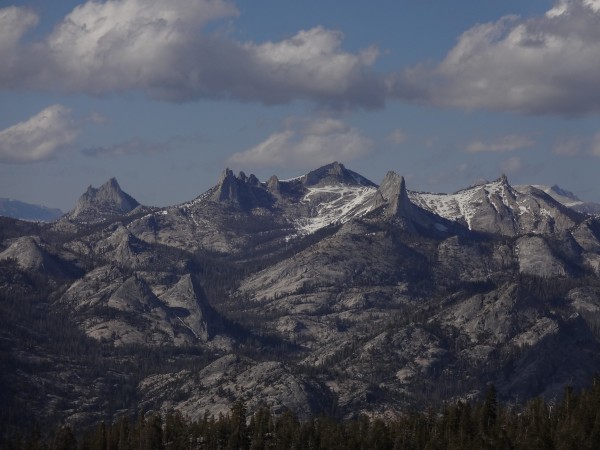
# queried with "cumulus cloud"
point(42, 137)
point(306, 143)
point(503, 144)
point(312, 64)
point(18, 64)
point(542, 65)
point(14, 23)
point(162, 49)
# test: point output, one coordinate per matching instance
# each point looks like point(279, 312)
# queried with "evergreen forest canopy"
point(574, 422)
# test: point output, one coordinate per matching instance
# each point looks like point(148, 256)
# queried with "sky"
point(164, 95)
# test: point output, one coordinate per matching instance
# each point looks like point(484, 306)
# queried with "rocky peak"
point(227, 188)
point(273, 185)
point(334, 173)
point(244, 191)
point(97, 204)
point(393, 190)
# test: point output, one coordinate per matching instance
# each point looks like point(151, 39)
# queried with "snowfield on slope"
point(461, 205)
point(334, 204)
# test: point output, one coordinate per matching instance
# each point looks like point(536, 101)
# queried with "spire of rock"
point(227, 189)
point(393, 190)
point(503, 179)
point(273, 185)
point(244, 191)
point(101, 203)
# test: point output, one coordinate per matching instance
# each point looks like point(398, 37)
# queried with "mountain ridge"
point(28, 211)
point(320, 293)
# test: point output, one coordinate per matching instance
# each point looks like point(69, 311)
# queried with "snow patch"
point(334, 204)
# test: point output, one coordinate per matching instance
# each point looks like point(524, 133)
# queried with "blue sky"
point(164, 95)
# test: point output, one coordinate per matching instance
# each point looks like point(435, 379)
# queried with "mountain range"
point(26, 211)
point(326, 293)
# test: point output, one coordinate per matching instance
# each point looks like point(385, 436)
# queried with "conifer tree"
point(64, 439)
point(238, 438)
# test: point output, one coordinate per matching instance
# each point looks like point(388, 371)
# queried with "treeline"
point(571, 423)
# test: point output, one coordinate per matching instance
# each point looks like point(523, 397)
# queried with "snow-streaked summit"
point(462, 205)
point(226, 217)
point(497, 207)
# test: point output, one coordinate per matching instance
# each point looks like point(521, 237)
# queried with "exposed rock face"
point(30, 253)
point(109, 305)
point(398, 204)
point(242, 191)
point(27, 252)
point(212, 388)
point(320, 293)
point(393, 191)
point(536, 258)
point(185, 300)
point(107, 201)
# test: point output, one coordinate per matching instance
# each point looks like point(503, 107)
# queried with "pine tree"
point(153, 433)
point(122, 434)
point(64, 439)
point(99, 441)
point(261, 429)
point(176, 431)
point(239, 438)
point(489, 411)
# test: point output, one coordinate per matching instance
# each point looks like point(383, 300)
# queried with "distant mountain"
point(27, 211)
point(98, 204)
point(324, 293)
point(569, 199)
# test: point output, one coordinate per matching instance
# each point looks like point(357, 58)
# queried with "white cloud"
point(543, 65)
point(131, 44)
point(42, 137)
point(16, 64)
point(311, 64)
point(305, 144)
point(507, 143)
point(14, 22)
point(162, 49)
point(397, 136)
